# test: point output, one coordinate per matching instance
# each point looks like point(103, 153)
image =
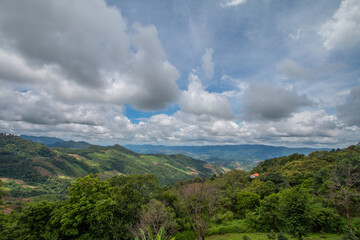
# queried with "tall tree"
point(345, 183)
point(295, 210)
point(200, 202)
point(157, 216)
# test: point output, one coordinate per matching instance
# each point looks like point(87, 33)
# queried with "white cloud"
point(198, 101)
point(232, 3)
point(343, 29)
point(312, 128)
point(207, 63)
point(42, 108)
point(84, 51)
point(106, 124)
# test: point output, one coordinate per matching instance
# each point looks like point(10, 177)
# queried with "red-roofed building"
point(255, 175)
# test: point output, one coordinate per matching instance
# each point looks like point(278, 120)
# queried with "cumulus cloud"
point(349, 111)
point(308, 124)
point(207, 63)
point(343, 29)
point(42, 108)
point(307, 127)
point(264, 101)
point(106, 124)
point(232, 3)
point(84, 50)
point(198, 101)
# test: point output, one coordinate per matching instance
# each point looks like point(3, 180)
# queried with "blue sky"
point(182, 72)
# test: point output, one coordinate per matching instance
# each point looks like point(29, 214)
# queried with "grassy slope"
point(34, 163)
point(113, 160)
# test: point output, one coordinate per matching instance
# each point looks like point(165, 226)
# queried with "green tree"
point(277, 178)
point(35, 219)
point(265, 189)
point(246, 201)
point(295, 211)
point(269, 213)
point(89, 212)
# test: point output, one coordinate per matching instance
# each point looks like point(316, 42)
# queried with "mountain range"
point(230, 156)
point(37, 166)
point(57, 142)
point(244, 156)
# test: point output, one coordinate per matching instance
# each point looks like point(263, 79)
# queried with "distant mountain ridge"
point(42, 139)
point(244, 156)
point(57, 142)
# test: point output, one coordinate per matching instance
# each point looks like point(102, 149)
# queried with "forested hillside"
point(288, 196)
point(30, 169)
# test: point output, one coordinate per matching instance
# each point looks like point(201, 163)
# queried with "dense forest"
point(294, 196)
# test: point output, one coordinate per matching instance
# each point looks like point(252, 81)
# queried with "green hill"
point(70, 144)
point(37, 165)
point(243, 157)
point(297, 168)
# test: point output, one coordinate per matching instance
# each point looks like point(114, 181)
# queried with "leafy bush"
point(237, 226)
point(245, 237)
point(223, 217)
point(326, 220)
point(349, 236)
point(252, 222)
point(246, 201)
point(281, 236)
point(271, 235)
point(355, 222)
point(185, 235)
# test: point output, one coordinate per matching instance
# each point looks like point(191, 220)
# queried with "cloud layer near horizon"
point(211, 74)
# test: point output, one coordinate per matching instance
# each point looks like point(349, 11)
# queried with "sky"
point(204, 72)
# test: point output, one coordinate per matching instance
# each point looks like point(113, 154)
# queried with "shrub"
point(237, 226)
point(271, 235)
point(223, 217)
point(349, 236)
point(326, 220)
point(246, 201)
point(185, 235)
point(281, 236)
point(252, 222)
point(245, 237)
